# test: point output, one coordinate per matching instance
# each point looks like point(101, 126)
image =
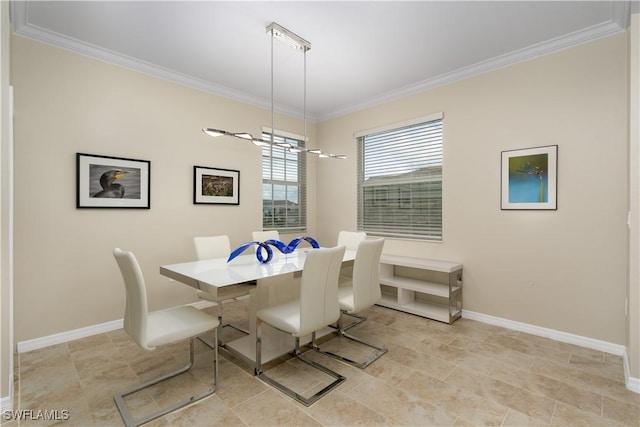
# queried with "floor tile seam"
point(553, 413)
point(490, 360)
point(470, 422)
point(397, 421)
point(532, 393)
point(619, 379)
point(456, 335)
point(455, 364)
point(555, 345)
point(234, 407)
point(504, 419)
point(593, 388)
point(611, 419)
point(75, 342)
point(544, 357)
point(614, 421)
point(602, 360)
point(86, 365)
point(79, 381)
point(413, 397)
point(528, 355)
point(499, 360)
point(590, 372)
point(533, 390)
point(310, 415)
point(458, 389)
point(114, 343)
point(372, 409)
point(571, 404)
point(623, 402)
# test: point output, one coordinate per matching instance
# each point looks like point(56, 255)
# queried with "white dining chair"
point(351, 239)
point(209, 247)
point(363, 293)
point(261, 236)
point(152, 329)
point(316, 308)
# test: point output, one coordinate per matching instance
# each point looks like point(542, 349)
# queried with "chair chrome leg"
point(341, 331)
point(286, 390)
point(355, 323)
point(219, 331)
point(128, 418)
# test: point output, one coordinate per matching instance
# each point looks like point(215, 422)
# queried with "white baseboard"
point(34, 344)
point(581, 341)
point(631, 383)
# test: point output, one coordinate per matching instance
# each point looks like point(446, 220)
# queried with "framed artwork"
point(530, 178)
point(216, 186)
point(112, 182)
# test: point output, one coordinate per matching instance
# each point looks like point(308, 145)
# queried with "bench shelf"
point(427, 288)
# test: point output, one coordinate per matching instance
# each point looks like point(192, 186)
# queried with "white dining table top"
point(244, 268)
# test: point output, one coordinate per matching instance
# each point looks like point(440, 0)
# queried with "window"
point(400, 180)
point(284, 203)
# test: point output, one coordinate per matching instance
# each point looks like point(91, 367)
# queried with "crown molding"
point(21, 26)
point(620, 17)
point(621, 13)
point(554, 45)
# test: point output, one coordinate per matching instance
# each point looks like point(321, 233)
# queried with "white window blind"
point(400, 181)
point(284, 202)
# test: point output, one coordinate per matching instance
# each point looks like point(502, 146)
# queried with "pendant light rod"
point(290, 38)
point(304, 102)
point(272, 92)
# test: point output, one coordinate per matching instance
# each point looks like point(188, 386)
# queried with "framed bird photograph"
point(529, 178)
point(216, 186)
point(112, 182)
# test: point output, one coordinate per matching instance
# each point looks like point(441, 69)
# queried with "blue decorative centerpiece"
point(265, 246)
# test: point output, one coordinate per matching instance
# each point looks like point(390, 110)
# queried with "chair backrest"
point(319, 304)
point(351, 239)
point(366, 274)
point(261, 236)
point(136, 309)
point(208, 247)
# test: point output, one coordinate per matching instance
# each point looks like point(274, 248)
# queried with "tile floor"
point(464, 374)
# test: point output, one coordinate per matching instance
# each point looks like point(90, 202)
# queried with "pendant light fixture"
point(280, 33)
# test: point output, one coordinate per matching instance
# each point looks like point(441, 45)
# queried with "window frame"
point(424, 210)
point(300, 183)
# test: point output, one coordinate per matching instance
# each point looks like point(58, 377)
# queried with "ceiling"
point(362, 52)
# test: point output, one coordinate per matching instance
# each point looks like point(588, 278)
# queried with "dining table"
point(276, 281)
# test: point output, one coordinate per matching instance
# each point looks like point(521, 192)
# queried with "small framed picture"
point(529, 178)
point(112, 182)
point(216, 186)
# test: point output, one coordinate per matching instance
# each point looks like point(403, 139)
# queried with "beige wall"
point(564, 269)
point(65, 275)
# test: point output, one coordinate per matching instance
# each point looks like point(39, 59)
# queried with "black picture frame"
point(215, 186)
point(112, 182)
